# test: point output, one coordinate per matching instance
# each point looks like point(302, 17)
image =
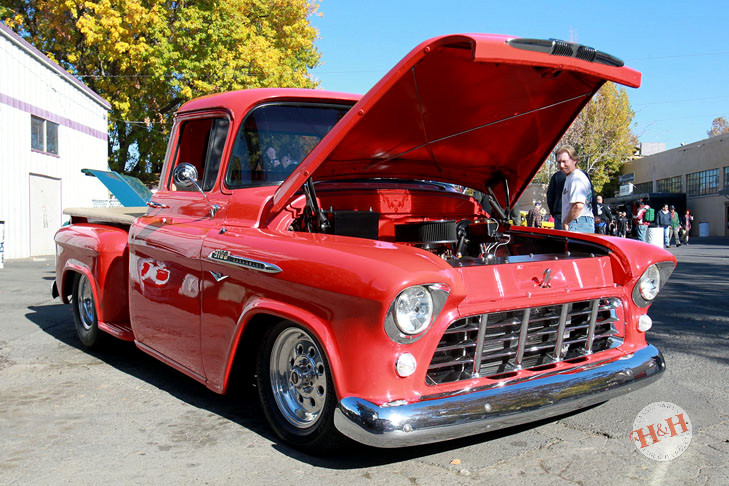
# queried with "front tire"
point(84, 312)
point(296, 389)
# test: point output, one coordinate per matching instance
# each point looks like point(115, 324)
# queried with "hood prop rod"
point(507, 195)
point(503, 212)
point(321, 220)
point(495, 205)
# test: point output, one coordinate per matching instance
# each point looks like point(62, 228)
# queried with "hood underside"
point(471, 110)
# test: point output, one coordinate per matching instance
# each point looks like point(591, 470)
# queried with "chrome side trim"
point(224, 256)
point(550, 394)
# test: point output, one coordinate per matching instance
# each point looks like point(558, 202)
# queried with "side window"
point(201, 143)
point(274, 138)
point(43, 135)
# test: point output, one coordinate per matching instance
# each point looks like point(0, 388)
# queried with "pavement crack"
point(596, 433)
point(560, 474)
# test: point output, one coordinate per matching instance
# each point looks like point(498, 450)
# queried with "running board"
point(121, 331)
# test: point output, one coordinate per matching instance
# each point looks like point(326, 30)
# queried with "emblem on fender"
point(218, 276)
point(224, 256)
point(220, 255)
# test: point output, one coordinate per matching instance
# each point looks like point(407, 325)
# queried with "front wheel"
point(84, 312)
point(296, 389)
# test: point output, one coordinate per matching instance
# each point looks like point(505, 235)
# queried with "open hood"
point(471, 109)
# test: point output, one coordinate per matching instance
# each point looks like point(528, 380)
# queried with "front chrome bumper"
point(490, 408)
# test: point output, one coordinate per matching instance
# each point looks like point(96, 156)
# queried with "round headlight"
point(413, 310)
point(650, 283)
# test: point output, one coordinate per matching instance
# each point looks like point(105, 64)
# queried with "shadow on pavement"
point(241, 404)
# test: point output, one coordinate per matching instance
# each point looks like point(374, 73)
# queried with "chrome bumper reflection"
point(546, 395)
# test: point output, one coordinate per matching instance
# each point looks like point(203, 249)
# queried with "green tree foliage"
point(602, 136)
point(146, 57)
point(719, 126)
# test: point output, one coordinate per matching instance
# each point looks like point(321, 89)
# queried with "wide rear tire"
point(84, 312)
point(296, 389)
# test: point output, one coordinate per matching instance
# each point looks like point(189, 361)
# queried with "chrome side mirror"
point(185, 175)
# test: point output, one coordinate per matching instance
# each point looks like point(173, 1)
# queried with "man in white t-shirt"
point(576, 195)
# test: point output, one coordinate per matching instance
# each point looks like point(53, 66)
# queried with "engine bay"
point(452, 225)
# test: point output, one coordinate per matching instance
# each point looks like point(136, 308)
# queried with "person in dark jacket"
point(606, 217)
point(663, 219)
point(623, 224)
point(554, 197)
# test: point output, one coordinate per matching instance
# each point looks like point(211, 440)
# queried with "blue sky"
point(682, 48)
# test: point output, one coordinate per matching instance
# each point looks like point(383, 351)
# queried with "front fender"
point(339, 288)
point(264, 306)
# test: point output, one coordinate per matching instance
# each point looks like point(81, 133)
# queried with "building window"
point(670, 184)
point(43, 135)
point(700, 183)
point(726, 177)
point(643, 187)
point(36, 133)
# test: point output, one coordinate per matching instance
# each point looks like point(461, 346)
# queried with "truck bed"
point(118, 215)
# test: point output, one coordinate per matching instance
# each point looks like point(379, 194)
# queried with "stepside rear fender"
point(101, 253)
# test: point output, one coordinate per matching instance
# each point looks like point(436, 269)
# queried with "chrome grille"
point(508, 341)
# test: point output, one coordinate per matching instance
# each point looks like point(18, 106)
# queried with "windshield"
point(274, 138)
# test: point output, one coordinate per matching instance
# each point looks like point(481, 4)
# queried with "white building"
point(51, 127)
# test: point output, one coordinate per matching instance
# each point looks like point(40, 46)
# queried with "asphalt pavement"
point(118, 416)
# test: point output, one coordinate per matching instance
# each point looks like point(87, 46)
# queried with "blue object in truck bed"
point(129, 190)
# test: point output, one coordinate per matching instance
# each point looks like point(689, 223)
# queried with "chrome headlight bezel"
point(413, 310)
point(434, 295)
point(651, 282)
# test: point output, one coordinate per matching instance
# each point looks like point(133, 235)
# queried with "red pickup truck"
point(355, 255)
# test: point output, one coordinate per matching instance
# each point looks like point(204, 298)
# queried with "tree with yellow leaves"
point(720, 126)
point(146, 57)
point(602, 136)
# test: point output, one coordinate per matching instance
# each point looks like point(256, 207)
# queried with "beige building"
point(700, 169)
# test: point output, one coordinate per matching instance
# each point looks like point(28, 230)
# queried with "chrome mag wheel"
point(84, 312)
point(85, 304)
point(298, 377)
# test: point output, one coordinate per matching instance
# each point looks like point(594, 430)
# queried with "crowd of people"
point(574, 206)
